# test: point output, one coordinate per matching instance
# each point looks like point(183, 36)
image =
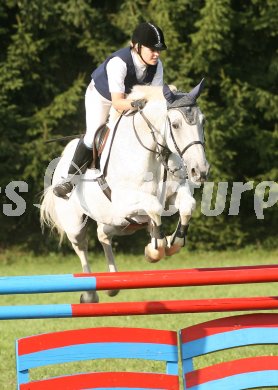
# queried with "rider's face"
point(150, 56)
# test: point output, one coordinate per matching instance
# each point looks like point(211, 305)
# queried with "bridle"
point(163, 151)
point(190, 117)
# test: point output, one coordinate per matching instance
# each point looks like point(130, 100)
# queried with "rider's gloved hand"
point(139, 104)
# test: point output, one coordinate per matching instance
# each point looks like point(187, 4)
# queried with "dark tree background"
point(48, 50)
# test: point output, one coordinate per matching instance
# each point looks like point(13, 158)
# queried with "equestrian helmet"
point(149, 35)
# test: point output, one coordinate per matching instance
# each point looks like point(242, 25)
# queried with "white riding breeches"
point(97, 111)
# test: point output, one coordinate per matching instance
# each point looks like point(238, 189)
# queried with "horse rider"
point(111, 82)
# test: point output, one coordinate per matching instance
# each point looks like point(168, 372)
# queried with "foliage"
point(49, 48)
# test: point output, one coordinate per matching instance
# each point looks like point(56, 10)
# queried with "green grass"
point(17, 263)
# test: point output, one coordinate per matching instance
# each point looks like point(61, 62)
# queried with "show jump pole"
point(137, 308)
point(35, 284)
point(137, 280)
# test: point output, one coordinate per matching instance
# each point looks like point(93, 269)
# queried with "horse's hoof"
point(154, 255)
point(112, 293)
point(89, 297)
point(150, 260)
point(172, 250)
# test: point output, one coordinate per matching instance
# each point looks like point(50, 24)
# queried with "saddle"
point(99, 144)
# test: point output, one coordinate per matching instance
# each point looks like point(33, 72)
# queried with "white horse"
point(165, 137)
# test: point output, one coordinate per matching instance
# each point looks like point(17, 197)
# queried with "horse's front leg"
point(177, 240)
point(142, 203)
point(186, 204)
point(155, 250)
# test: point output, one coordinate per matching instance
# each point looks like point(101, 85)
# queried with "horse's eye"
point(188, 109)
point(175, 125)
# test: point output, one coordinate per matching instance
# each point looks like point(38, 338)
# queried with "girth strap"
point(102, 181)
point(104, 186)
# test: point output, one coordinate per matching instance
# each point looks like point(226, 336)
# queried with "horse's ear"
point(168, 94)
point(195, 93)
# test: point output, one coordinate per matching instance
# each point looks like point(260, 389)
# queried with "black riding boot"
point(80, 161)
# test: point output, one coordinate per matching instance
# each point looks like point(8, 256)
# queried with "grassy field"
point(17, 263)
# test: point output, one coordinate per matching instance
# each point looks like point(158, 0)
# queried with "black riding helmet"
point(149, 35)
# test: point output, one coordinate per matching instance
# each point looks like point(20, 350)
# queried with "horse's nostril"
point(193, 172)
point(203, 176)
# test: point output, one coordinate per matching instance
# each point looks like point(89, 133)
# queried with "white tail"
point(48, 214)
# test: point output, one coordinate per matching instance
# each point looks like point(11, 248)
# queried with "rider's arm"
point(116, 73)
point(119, 102)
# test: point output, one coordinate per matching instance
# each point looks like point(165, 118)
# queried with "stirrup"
point(62, 189)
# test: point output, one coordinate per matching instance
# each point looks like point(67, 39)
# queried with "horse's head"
point(186, 131)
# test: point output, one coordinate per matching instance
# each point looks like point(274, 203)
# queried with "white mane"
point(146, 92)
point(154, 96)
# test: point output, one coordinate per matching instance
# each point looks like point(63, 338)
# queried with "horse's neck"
point(133, 151)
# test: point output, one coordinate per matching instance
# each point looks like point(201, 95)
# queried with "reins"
point(164, 152)
point(65, 138)
point(152, 133)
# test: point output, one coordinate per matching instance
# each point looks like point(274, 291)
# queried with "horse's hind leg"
point(104, 233)
point(79, 243)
